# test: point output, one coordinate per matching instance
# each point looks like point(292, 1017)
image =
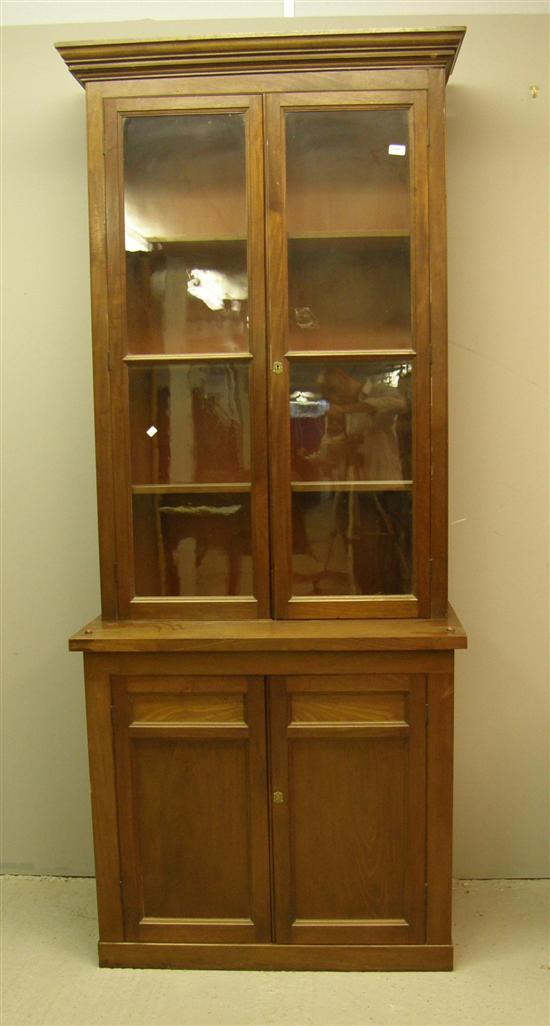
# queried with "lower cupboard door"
point(348, 808)
point(191, 778)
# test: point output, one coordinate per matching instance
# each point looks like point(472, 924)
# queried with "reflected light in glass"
point(307, 404)
point(152, 431)
point(134, 242)
point(397, 150)
point(214, 288)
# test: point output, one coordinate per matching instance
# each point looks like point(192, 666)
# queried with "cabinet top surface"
point(375, 48)
point(270, 635)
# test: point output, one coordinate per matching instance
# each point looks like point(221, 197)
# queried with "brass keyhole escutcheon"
point(278, 797)
point(278, 367)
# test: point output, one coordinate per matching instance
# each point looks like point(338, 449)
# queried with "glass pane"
point(349, 294)
point(351, 421)
point(190, 423)
point(341, 174)
point(192, 545)
point(348, 224)
point(185, 228)
point(351, 543)
point(351, 454)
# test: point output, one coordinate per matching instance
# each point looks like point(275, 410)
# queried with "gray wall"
point(498, 307)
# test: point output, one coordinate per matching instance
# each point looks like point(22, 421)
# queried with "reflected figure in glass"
point(350, 429)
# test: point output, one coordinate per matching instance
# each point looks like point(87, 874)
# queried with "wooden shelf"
point(206, 488)
point(351, 486)
point(188, 240)
point(324, 342)
point(336, 355)
point(270, 635)
point(368, 234)
point(148, 359)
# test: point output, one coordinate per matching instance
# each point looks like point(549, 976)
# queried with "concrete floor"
point(50, 976)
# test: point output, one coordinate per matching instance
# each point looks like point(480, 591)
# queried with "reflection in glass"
point(190, 423)
point(351, 421)
point(348, 225)
point(341, 175)
point(192, 545)
point(351, 477)
point(349, 294)
point(351, 543)
point(185, 227)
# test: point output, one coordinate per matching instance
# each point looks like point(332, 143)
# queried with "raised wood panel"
point(188, 709)
point(347, 803)
point(193, 818)
point(348, 708)
point(185, 685)
point(365, 684)
point(196, 701)
point(192, 798)
point(349, 831)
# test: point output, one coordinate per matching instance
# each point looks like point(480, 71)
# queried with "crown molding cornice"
point(169, 58)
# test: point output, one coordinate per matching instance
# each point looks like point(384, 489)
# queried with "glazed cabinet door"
point(185, 289)
point(350, 336)
point(348, 808)
point(191, 780)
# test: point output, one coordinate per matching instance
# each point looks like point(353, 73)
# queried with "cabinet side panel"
point(440, 808)
point(104, 804)
point(438, 335)
point(421, 319)
point(115, 248)
point(100, 335)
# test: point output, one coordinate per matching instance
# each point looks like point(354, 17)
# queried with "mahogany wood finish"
point(409, 48)
point(348, 832)
point(281, 348)
point(352, 766)
point(320, 73)
point(438, 345)
point(191, 765)
point(101, 349)
point(300, 957)
point(271, 772)
point(120, 359)
point(442, 634)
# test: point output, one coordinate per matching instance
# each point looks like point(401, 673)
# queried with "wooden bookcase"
point(269, 686)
